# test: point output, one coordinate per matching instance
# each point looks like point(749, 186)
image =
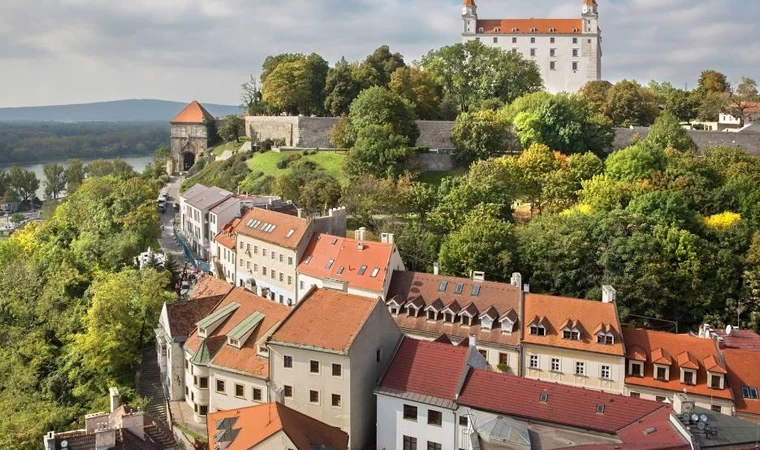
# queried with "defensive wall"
point(749, 141)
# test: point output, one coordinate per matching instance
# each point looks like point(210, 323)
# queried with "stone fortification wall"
point(435, 134)
point(314, 132)
point(750, 142)
point(260, 128)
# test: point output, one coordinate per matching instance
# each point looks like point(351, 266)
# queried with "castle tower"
point(592, 35)
point(192, 131)
point(469, 17)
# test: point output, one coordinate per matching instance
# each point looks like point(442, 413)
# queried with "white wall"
point(392, 427)
point(252, 261)
point(228, 400)
point(566, 374)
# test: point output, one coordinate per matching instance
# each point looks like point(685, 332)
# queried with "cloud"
point(65, 51)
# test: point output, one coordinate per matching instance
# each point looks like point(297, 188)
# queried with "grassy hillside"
point(331, 161)
point(220, 149)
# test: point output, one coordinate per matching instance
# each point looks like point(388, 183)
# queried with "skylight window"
point(340, 270)
point(749, 392)
point(264, 228)
point(290, 233)
point(330, 264)
point(256, 223)
point(544, 397)
point(272, 227)
point(475, 290)
point(458, 288)
point(250, 223)
point(362, 269)
point(442, 287)
point(307, 260)
point(334, 241)
point(600, 408)
point(375, 271)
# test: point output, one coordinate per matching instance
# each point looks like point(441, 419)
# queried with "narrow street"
point(169, 245)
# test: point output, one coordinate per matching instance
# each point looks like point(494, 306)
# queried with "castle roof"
point(193, 113)
point(530, 26)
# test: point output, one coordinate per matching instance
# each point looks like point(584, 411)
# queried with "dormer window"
point(263, 350)
point(412, 310)
point(466, 321)
point(571, 334)
point(661, 373)
point(448, 317)
point(202, 332)
point(749, 392)
point(234, 342)
point(537, 330)
point(575, 30)
point(393, 310)
point(480, 29)
point(715, 380)
point(514, 29)
point(532, 30)
point(486, 323)
point(497, 30)
point(552, 30)
point(431, 315)
point(636, 368)
point(605, 338)
point(688, 376)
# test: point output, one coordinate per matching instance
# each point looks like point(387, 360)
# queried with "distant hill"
point(116, 111)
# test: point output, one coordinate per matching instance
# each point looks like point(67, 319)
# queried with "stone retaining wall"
point(750, 142)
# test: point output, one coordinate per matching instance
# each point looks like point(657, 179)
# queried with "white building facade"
point(568, 52)
point(194, 206)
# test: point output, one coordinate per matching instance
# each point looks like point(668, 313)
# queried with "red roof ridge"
point(194, 113)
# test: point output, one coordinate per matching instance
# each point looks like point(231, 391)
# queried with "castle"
point(568, 52)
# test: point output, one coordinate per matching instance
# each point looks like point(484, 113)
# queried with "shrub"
point(722, 221)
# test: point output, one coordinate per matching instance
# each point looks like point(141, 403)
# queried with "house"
point(356, 266)
point(272, 426)
point(568, 52)
point(425, 306)
point(226, 360)
point(326, 358)
point(733, 337)
point(176, 322)
point(707, 429)
point(194, 207)
point(122, 428)
point(660, 365)
point(224, 253)
point(192, 131)
point(416, 399)
point(574, 342)
point(744, 379)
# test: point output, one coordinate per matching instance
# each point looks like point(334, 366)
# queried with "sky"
point(78, 51)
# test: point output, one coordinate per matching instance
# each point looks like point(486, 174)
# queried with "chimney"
point(360, 245)
point(300, 213)
point(473, 340)
point(435, 268)
point(113, 394)
point(386, 238)
point(682, 404)
point(516, 279)
point(478, 275)
point(49, 441)
point(360, 234)
point(608, 294)
point(526, 289)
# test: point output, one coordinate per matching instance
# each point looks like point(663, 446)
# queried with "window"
point(308, 258)
point(256, 394)
point(495, 40)
point(330, 264)
point(662, 374)
point(336, 400)
point(220, 386)
point(448, 317)
point(337, 370)
point(410, 412)
point(187, 364)
point(378, 357)
point(537, 330)
point(362, 269)
point(580, 368)
point(290, 260)
point(256, 268)
point(274, 255)
point(287, 361)
point(282, 258)
point(410, 443)
point(435, 417)
point(532, 40)
point(575, 66)
point(636, 369)
point(534, 361)
point(475, 290)
point(600, 408)
point(430, 314)
point(749, 392)
point(375, 271)
point(290, 280)
point(203, 410)
point(573, 335)
point(484, 353)
point(715, 408)
point(555, 365)
point(635, 395)
point(659, 398)
point(264, 252)
point(575, 53)
point(255, 249)
point(514, 40)
point(287, 391)
point(314, 397)
point(552, 52)
point(340, 270)
point(263, 270)
point(241, 245)
point(433, 446)
point(575, 40)
point(543, 398)
point(503, 359)
point(552, 65)
point(465, 321)
point(606, 372)
point(239, 390)
point(533, 52)
point(203, 382)
point(551, 39)
point(301, 285)
point(442, 286)
point(464, 421)
point(313, 366)
point(282, 277)
point(688, 377)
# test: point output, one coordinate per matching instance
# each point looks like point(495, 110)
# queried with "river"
point(138, 163)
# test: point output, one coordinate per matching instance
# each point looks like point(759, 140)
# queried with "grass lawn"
point(329, 160)
point(220, 149)
point(435, 178)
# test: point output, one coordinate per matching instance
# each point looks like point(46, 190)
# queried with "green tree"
point(747, 90)
point(635, 163)
point(666, 207)
point(341, 88)
point(630, 104)
point(17, 218)
point(23, 183)
point(74, 175)
point(378, 151)
point(595, 93)
point(379, 107)
point(483, 243)
point(294, 83)
point(231, 128)
point(712, 82)
point(536, 164)
point(417, 87)
point(472, 72)
point(711, 105)
point(104, 168)
point(377, 68)
point(480, 135)
point(681, 104)
point(668, 132)
point(55, 180)
point(342, 134)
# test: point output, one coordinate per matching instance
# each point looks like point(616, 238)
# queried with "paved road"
point(167, 242)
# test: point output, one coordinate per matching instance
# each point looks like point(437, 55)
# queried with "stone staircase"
point(149, 386)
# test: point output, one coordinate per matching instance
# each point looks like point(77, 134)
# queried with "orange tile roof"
point(281, 234)
point(326, 319)
point(209, 286)
point(743, 371)
point(226, 237)
point(244, 359)
point(524, 26)
point(588, 314)
point(636, 353)
point(193, 113)
point(469, 3)
point(255, 424)
point(347, 259)
point(692, 351)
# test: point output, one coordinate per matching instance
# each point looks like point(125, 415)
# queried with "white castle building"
point(568, 51)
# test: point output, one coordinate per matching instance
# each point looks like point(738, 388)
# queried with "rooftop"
point(588, 317)
point(203, 197)
point(245, 428)
point(365, 267)
point(676, 351)
point(193, 113)
point(744, 379)
point(740, 339)
point(724, 431)
point(325, 320)
point(209, 286)
point(273, 227)
point(184, 314)
point(226, 237)
point(530, 26)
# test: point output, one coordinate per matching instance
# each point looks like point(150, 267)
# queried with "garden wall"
point(750, 142)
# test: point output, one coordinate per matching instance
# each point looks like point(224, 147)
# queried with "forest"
point(25, 142)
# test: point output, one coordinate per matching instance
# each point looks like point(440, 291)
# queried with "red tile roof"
point(531, 26)
point(690, 351)
point(347, 259)
point(246, 358)
point(279, 235)
point(209, 286)
point(193, 113)
point(326, 319)
point(257, 423)
point(743, 370)
point(588, 314)
point(564, 405)
point(226, 237)
point(741, 339)
point(423, 289)
point(184, 314)
point(426, 368)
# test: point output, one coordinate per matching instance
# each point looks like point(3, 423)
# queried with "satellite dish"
point(686, 417)
point(729, 330)
point(64, 444)
point(701, 425)
point(695, 418)
point(703, 418)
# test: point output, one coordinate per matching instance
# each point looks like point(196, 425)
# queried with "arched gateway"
point(191, 132)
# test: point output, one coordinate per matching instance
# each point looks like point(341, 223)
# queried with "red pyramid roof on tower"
point(472, 2)
point(193, 113)
point(589, 2)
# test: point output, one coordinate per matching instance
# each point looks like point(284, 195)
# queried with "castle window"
point(551, 40)
point(514, 40)
point(533, 30)
point(552, 30)
point(480, 29)
point(552, 66)
point(495, 40)
point(575, 40)
point(497, 30)
point(575, 66)
point(575, 53)
point(532, 40)
point(514, 30)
